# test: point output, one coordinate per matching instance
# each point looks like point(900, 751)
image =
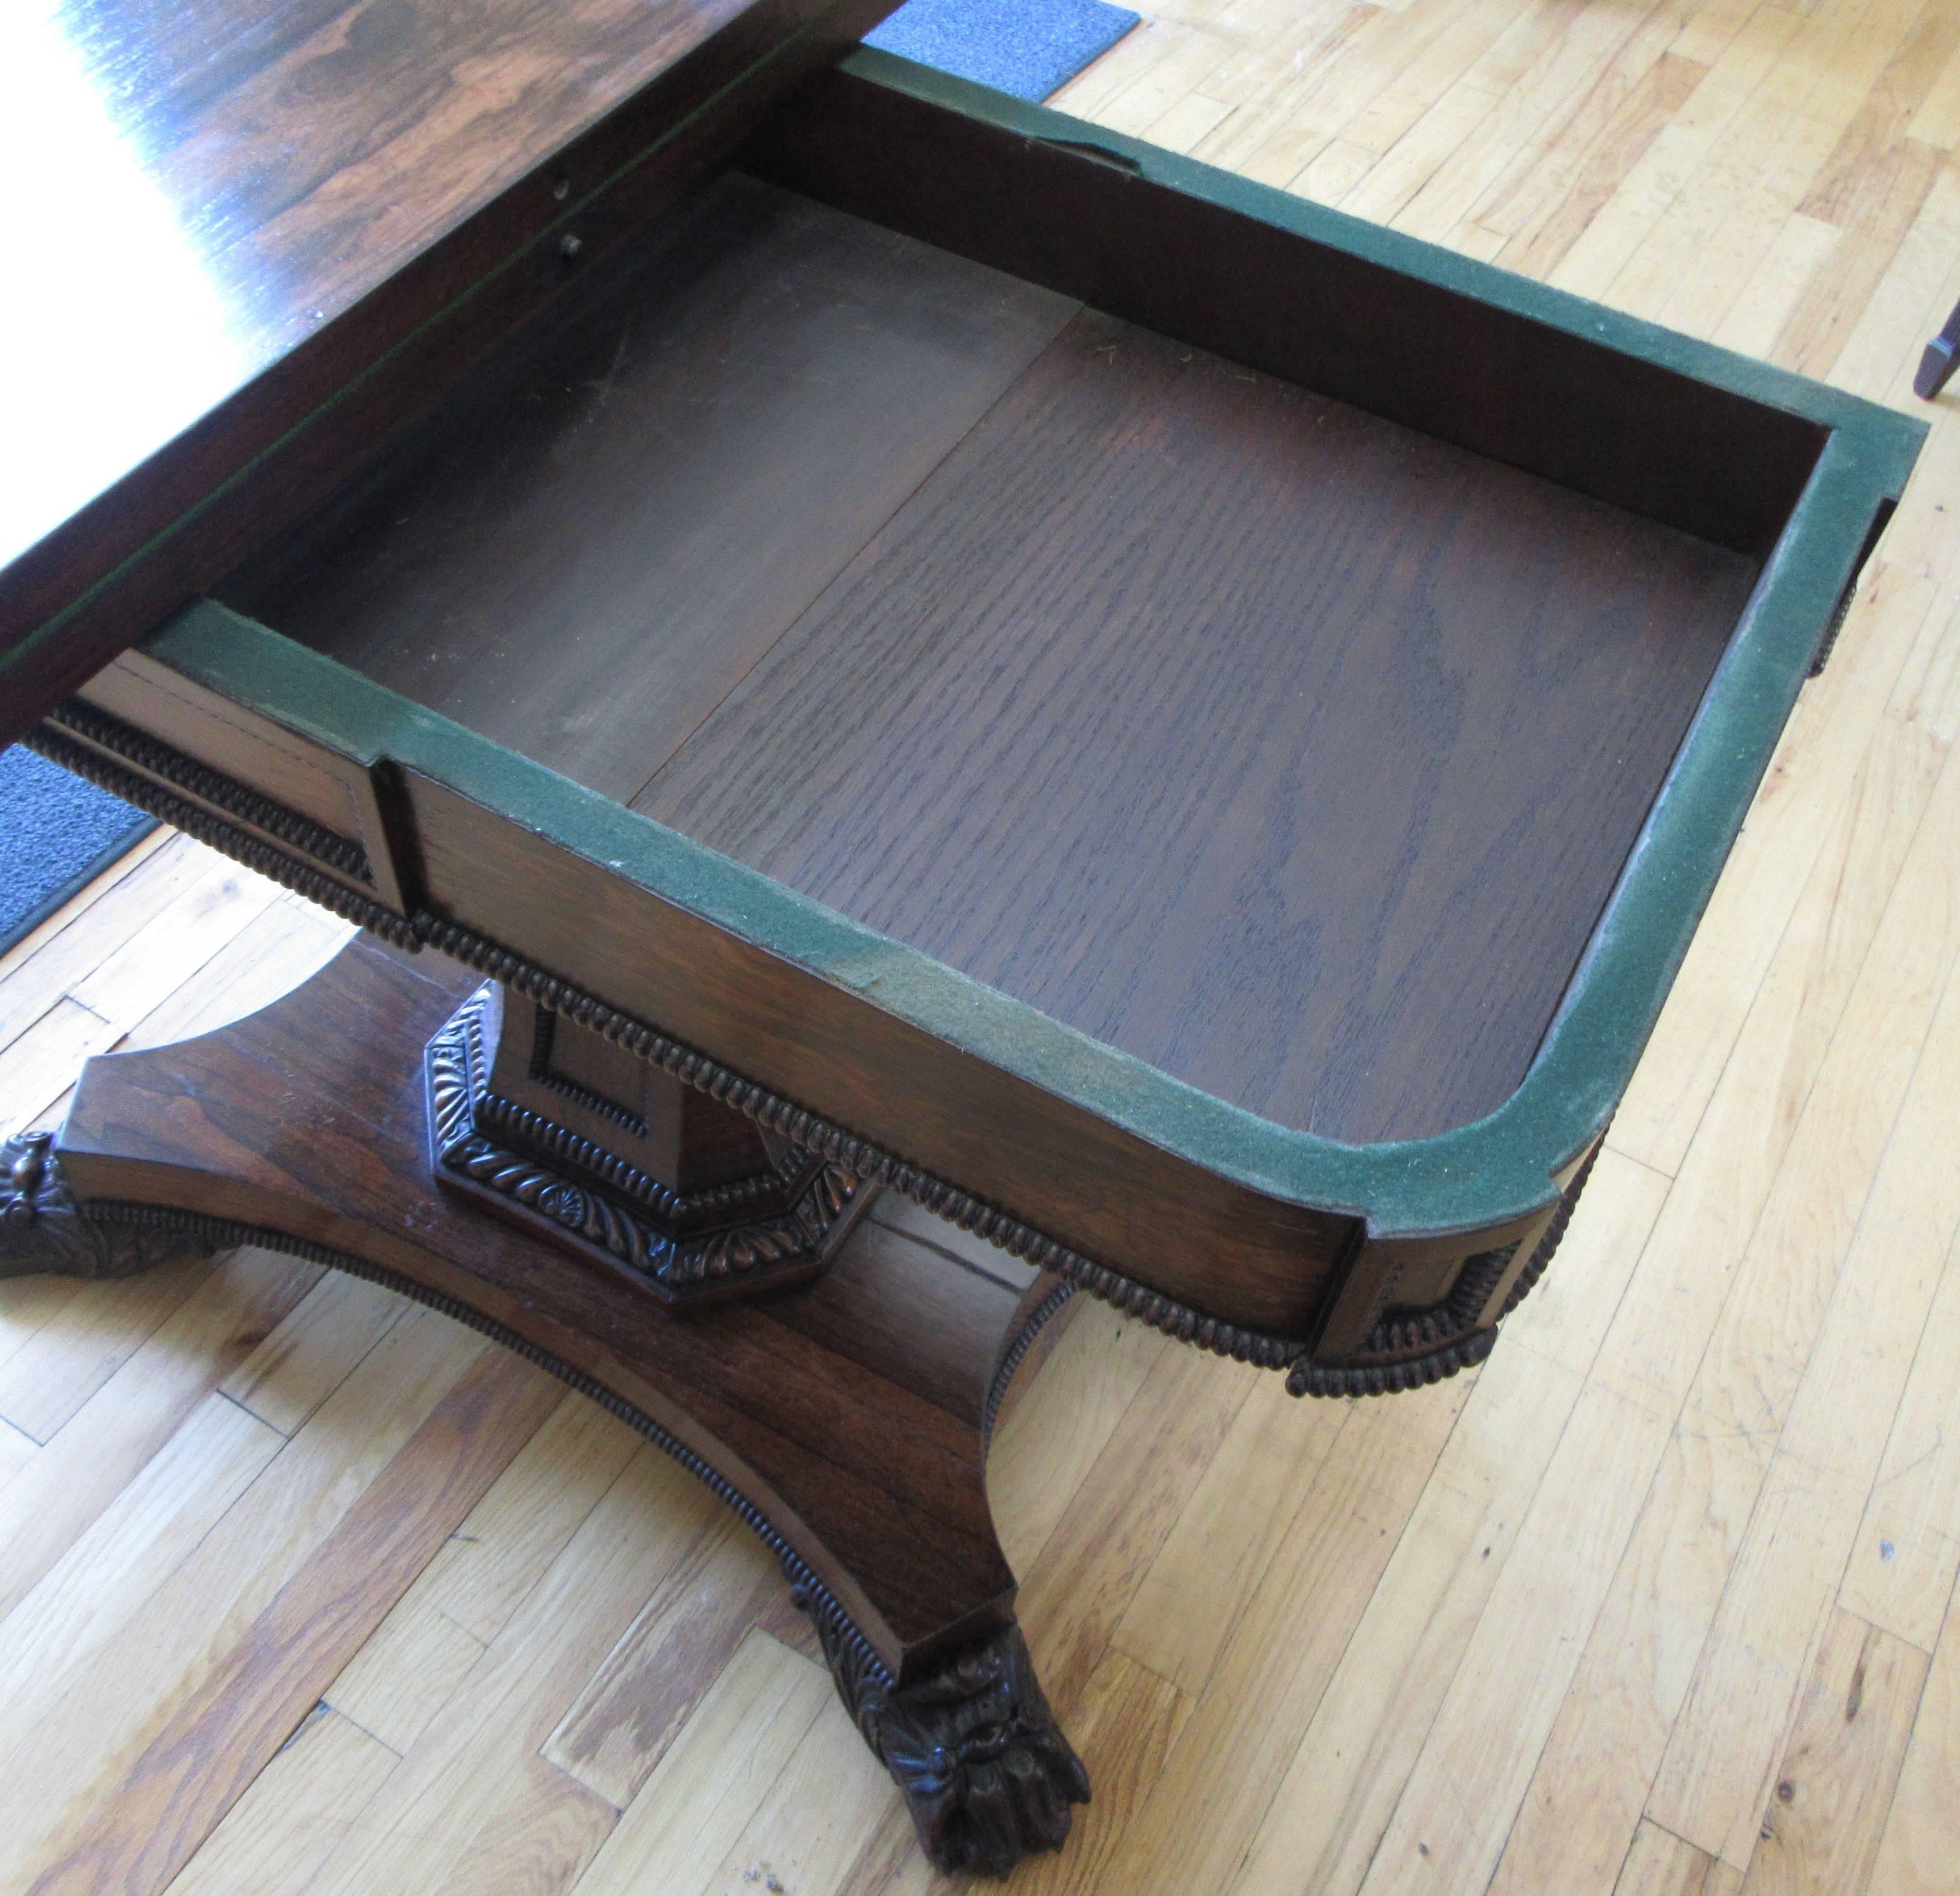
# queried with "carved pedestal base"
point(845, 1419)
point(742, 1216)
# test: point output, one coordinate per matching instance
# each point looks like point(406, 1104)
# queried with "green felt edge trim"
point(1495, 1170)
point(550, 234)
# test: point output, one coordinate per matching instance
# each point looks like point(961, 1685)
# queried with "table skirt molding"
point(1364, 1342)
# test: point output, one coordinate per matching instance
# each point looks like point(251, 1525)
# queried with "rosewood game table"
point(843, 635)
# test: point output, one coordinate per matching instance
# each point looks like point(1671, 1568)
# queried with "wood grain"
point(1756, 1013)
point(169, 1799)
point(107, 1440)
point(273, 1839)
point(865, 1450)
point(1820, 1831)
point(303, 194)
point(675, 474)
point(1189, 606)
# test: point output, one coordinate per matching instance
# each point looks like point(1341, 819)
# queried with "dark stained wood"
point(306, 204)
point(594, 541)
point(1599, 419)
point(865, 1454)
point(575, 1170)
point(1223, 1247)
point(672, 1131)
point(340, 804)
point(1289, 750)
point(857, 1450)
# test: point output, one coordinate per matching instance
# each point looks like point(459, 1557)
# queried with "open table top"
point(1205, 466)
point(1286, 749)
point(236, 208)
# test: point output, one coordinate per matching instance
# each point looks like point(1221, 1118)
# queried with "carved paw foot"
point(42, 1228)
point(985, 1770)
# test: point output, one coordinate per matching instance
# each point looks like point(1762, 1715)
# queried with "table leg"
point(845, 1418)
point(1938, 360)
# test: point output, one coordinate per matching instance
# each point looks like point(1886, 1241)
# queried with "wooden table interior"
point(1288, 747)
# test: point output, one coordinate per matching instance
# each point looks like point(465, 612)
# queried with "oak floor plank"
point(1255, 1482)
point(16, 1450)
point(700, 1800)
point(283, 943)
point(1356, 1755)
point(1075, 1594)
point(488, 1569)
point(174, 944)
point(1349, 1769)
point(87, 1338)
point(39, 1062)
point(1592, 263)
point(314, 1350)
point(96, 938)
point(1380, 49)
point(1877, 1312)
point(1821, 1829)
point(190, 1629)
point(43, 965)
point(1862, 1113)
point(441, 1808)
point(1129, 1720)
point(1937, 121)
point(1544, 211)
point(1827, 747)
point(1451, 59)
point(1907, 1555)
point(273, 1839)
point(1877, 1307)
point(1535, 72)
point(1052, 1437)
point(1740, 1154)
point(1916, 1853)
point(1720, 1761)
point(1543, 174)
point(154, 1523)
point(216, 1739)
point(397, 1685)
point(1659, 1864)
point(1285, 1644)
point(1581, 1813)
point(620, 1727)
point(83, 1469)
point(1911, 301)
point(1475, 1765)
point(829, 1798)
point(28, 1306)
point(1732, 213)
point(435, 1634)
point(1780, 276)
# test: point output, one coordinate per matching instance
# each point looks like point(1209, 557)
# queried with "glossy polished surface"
point(199, 188)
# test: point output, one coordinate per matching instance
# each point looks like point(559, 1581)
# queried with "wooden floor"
point(1658, 1602)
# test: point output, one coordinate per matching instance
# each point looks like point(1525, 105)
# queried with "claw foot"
point(42, 1228)
point(985, 1770)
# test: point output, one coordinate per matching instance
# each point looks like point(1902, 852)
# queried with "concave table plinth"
point(846, 1419)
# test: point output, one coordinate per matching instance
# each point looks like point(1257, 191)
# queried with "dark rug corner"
point(1029, 48)
point(57, 834)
